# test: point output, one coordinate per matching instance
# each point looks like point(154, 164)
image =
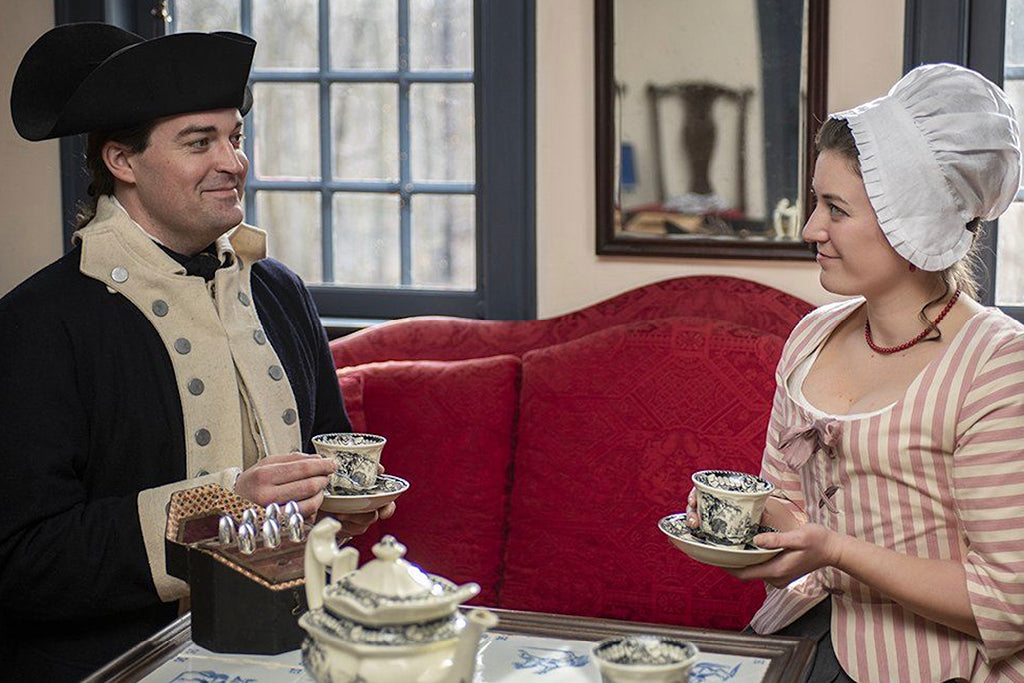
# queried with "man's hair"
point(101, 180)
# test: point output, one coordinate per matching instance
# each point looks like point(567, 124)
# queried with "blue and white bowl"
point(651, 658)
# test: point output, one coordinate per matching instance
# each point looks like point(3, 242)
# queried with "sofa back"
point(444, 338)
point(541, 471)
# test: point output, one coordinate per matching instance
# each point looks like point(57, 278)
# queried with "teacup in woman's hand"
point(729, 505)
point(356, 459)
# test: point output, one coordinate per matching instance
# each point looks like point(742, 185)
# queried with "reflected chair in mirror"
point(696, 206)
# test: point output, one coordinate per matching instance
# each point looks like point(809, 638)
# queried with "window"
point(374, 123)
point(1009, 280)
point(988, 36)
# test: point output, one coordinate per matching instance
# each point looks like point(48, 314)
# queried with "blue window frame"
point(501, 193)
point(971, 33)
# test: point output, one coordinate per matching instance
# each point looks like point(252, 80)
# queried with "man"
point(163, 352)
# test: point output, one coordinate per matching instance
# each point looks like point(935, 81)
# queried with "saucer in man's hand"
point(348, 501)
point(682, 537)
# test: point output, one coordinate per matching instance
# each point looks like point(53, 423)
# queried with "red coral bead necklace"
point(907, 344)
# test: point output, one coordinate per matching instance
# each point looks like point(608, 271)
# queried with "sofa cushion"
point(611, 428)
point(449, 431)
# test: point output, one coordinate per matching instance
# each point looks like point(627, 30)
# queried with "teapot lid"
point(392, 590)
point(390, 574)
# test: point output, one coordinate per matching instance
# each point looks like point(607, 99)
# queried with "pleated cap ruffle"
point(939, 150)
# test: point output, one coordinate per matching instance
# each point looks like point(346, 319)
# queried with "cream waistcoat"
point(234, 393)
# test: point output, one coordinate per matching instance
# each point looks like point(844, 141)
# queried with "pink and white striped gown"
point(939, 474)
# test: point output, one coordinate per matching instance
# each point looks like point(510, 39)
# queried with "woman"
point(897, 433)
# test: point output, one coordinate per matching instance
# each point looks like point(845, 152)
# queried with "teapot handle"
point(345, 561)
point(322, 552)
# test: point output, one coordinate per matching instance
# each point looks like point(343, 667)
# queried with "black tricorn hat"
point(78, 78)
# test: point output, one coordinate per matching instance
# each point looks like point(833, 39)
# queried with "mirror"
point(703, 135)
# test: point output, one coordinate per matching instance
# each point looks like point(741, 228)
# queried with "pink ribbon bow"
point(800, 442)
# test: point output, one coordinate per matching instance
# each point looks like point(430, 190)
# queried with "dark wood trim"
point(986, 38)
point(506, 263)
point(935, 32)
point(609, 242)
point(706, 247)
point(148, 655)
point(817, 90)
point(385, 304)
point(604, 129)
point(790, 659)
point(74, 181)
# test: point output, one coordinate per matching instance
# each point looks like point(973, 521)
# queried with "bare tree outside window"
point(364, 34)
point(207, 15)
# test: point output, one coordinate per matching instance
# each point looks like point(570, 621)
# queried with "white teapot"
point(387, 621)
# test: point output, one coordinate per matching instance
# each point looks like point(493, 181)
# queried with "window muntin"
point(362, 137)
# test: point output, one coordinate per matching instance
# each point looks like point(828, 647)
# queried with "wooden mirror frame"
point(609, 242)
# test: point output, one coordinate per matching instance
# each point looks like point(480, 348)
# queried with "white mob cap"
point(939, 150)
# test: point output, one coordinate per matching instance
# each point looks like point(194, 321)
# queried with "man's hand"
point(357, 524)
point(279, 478)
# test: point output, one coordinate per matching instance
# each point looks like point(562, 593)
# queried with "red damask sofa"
point(542, 453)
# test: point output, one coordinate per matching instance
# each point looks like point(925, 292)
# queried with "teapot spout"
point(464, 661)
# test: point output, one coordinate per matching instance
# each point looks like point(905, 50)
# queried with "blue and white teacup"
point(729, 506)
point(356, 457)
point(648, 658)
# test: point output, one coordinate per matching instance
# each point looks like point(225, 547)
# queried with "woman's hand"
point(933, 589)
point(692, 520)
point(805, 548)
point(782, 515)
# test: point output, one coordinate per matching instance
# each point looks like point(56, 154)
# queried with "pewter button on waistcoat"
point(260, 337)
point(289, 416)
point(195, 386)
point(119, 274)
point(160, 307)
point(182, 345)
point(203, 437)
point(201, 473)
point(275, 372)
point(244, 298)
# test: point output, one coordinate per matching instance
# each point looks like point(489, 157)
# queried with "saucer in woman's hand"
point(682, 537)
point(348, 501)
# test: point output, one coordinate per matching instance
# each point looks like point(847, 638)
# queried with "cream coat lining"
point(224, 355)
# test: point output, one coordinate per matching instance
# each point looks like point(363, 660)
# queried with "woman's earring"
point(912, 268)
